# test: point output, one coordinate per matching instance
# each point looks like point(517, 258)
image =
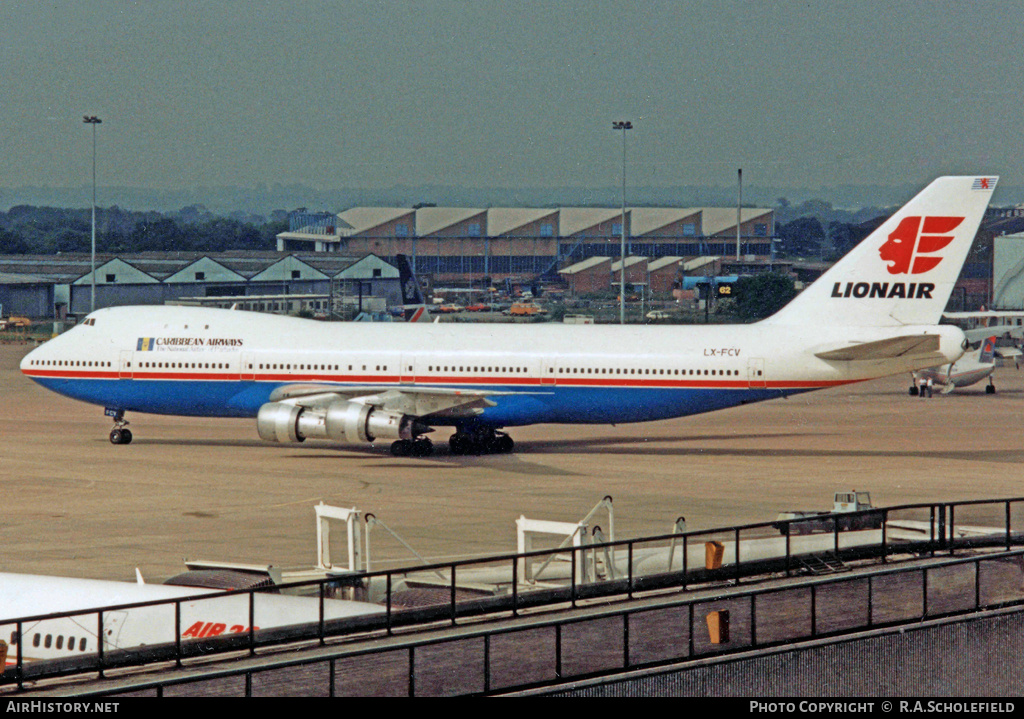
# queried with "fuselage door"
point(247, 370)
point(407, 369)
point(113, 623)
point(124, 367)
point(548, 371)
point(755, 373)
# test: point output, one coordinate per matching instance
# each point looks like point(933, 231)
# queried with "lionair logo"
point(911, 249)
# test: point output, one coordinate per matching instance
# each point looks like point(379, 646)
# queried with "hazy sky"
point(352, 93)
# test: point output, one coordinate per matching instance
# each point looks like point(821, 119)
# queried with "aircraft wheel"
point(913, 390)
point(120, 436)
point(504, 443)
point(401, 448)
point(990, 389)
point(422, 447)
point(459, 443)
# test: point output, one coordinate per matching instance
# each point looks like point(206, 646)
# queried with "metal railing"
point(490, 659)
point(610, 569)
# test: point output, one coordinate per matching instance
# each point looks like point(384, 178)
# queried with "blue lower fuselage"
point(521, 406)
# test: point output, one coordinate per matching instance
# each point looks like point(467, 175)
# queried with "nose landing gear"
point(120, 434)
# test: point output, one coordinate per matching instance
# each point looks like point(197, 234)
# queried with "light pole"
point(623, 125)
point(94, 121)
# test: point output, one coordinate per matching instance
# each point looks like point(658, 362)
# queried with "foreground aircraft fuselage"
point(171, 612)
point(873, 314)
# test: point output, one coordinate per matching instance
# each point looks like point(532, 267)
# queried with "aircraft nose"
point(29, 360)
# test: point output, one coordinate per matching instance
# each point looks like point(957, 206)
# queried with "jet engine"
point(342, 421)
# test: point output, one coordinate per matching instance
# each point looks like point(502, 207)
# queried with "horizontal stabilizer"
point(906, 346)
point(985, 315)
point(978, 334)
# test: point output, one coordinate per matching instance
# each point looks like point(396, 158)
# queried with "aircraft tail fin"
point(414, 306)
point(903, 272)
point(988, 351)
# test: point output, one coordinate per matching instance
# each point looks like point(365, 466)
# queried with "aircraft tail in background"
point(414, 305)
point(988, 351)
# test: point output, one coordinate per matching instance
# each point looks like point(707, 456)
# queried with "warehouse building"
point(45, 287)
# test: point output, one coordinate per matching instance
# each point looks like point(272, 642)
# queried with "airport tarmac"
point(75, 505)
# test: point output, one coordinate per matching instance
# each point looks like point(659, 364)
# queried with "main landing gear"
point(479, 440)
point(120, 434)
point(483, 440)
point(419, 447)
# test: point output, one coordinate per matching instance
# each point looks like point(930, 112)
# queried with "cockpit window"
point(91, 321)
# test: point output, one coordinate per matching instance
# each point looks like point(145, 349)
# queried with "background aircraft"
point(973, 367)
point(414, 305)
point(985, 323)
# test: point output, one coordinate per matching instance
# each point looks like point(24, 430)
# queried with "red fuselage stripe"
point(559, 381)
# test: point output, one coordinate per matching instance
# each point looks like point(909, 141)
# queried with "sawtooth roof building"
point(458, 244)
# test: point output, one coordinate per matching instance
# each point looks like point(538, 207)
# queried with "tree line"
point(26, 229)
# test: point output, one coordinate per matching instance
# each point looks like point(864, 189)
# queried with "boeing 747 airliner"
point(874, 313)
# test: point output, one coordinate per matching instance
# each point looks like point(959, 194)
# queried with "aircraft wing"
point(906, 346)
point(422, 402)
point(978, 334)
point(985, 314)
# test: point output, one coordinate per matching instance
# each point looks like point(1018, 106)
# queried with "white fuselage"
point(207, 362)
point(207, 613)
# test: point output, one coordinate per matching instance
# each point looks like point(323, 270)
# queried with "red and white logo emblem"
point(910, 247)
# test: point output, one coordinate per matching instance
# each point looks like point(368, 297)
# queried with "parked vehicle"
point(14, 321)
point(525, 309)
point(849, 511)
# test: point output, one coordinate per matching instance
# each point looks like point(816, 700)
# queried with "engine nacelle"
point(279, 422)
point(342, 421)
